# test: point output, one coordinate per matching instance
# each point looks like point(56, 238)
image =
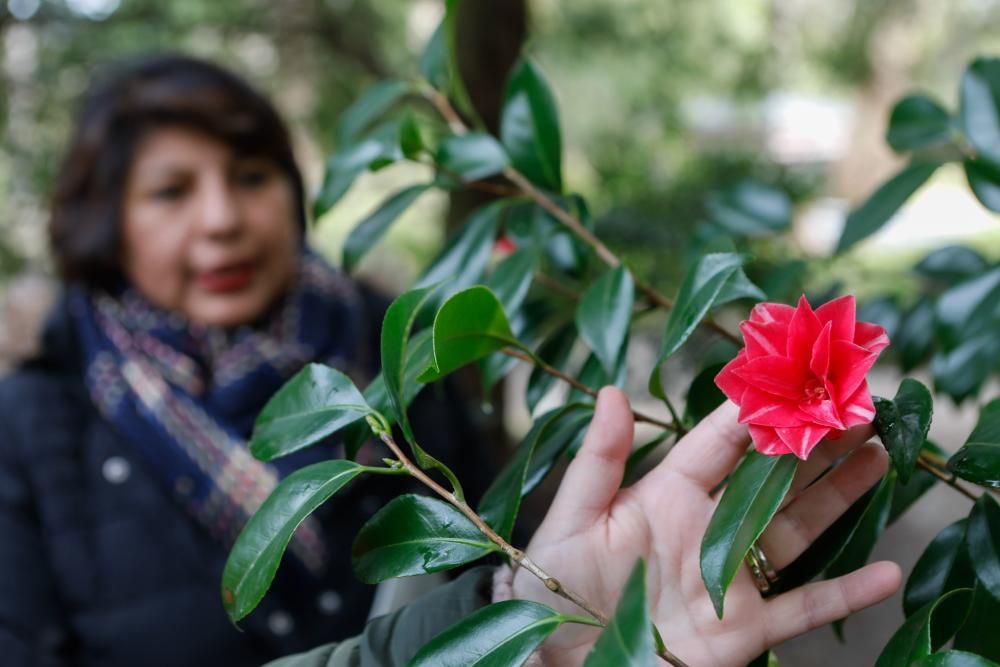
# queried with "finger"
point(813, 605)
point(793, 529)
point(593, 478)
point(709, 452)
point(825, 455)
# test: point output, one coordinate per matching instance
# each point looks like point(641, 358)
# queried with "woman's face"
point(207, 232)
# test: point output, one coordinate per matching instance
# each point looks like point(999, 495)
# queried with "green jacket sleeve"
point(391, 640)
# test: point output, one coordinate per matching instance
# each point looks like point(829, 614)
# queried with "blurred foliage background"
point(663, 102)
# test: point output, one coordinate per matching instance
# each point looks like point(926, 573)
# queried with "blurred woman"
point(189, 298)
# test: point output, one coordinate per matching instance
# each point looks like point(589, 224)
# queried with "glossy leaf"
point(555, 351)
point(374, 226)
point(984, 180)
point(548, 438)
point(257, 551)
point(915, 337)
point(411, 137)
point(464, 258)
point(979, 107)
point(766, 659)
point(883, 203)
point(415, 535)
point(503, 634)
point(739, 286)
point(917, 122)
point(344, 166)
point(951, 265)
point(902, 424)
point(511, 280)
point(628, 638)
point(704, 395)
point(969, 308)
point(979, 458)
point(920, 483)
point(604, 315)
point(979, 632)
point(471, 157)
point(434, 65)
point(920, 634)
point(529, 127)
point(755, 490)
point(955, 659)
point(317, 402)
point(469, 325)
point(943, 567)
point(960, 372)
point(525, 323)
point(983, 541)
point(750, 209)
point(702, 285)
point(373, 103)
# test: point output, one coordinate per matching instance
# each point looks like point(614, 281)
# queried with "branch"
point(579, 386)
point(950, 480)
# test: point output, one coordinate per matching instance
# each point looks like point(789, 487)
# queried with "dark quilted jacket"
point(100, 566)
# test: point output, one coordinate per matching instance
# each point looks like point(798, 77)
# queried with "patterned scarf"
point(185, 396)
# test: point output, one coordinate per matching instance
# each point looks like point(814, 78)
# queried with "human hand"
point(595, 531)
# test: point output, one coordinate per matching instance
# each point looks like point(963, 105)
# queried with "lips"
point(231, 278)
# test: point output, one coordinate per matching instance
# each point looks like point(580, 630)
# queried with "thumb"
point(592, 479)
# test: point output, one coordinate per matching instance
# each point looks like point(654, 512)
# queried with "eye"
point(253, 177)
point(171, 192)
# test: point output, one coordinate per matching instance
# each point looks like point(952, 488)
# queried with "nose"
point(220, 212)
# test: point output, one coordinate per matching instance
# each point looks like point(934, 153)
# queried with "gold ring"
point(764, 575)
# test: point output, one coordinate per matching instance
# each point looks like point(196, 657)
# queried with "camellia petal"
point(762, 409)
point(841, 314)
point(764, 338)
point(848, 366)
point(859, 408)
point(727, 381)
point(780, 376)
point(802, 332)
point(766, 441)
point(802, 439)
point(824, 413)
point(870, 336)
point(772, 312)
point(819, 362)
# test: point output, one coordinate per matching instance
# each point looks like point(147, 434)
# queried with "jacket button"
point(280, 623)
point(329, 602)
point(116, 470)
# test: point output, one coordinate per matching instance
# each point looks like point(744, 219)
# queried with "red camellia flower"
point(801, 376)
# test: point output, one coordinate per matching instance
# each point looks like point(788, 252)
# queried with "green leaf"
point(750, 209)
point(915, 337)
point(257, 551)
point(464, 258)
point(639, 455)
point(925, 630)
point(415, 535)
point(628, 638)
point(469, 325)
point(979, 458)
point(373, 103)
point(503, 634)
point(978, 634)
point(984, 180)
point(960, 372)
point(604, 314)
point(917, 122)
point(955, 659)
point(951, 265)
point(943, 567)
point(372, 228)
point(343, 168)
point(549, 437)
point(884, 202)
point(755, 490)
point(315, 403)
point(471, 156)
point(702, 285)
point(738, 287)
point(921, 482)
point(983, 541)
point(703, 395)
point(766, 659)
point(902, 424)
point(979, 107)
point(529, 127)
point(434, 64)
point(555, 351)
point(511, 280)
point(968, 309)
point(411, 137)
point(526, 323)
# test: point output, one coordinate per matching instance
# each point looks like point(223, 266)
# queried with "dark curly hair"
point(118, 111)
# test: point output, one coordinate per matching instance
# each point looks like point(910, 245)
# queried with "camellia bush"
point(797, 372)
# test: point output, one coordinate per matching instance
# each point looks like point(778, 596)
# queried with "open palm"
point(595, 532)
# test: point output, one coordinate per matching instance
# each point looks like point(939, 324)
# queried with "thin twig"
point(554, 285)
point(947, 479)
point(579, 386)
